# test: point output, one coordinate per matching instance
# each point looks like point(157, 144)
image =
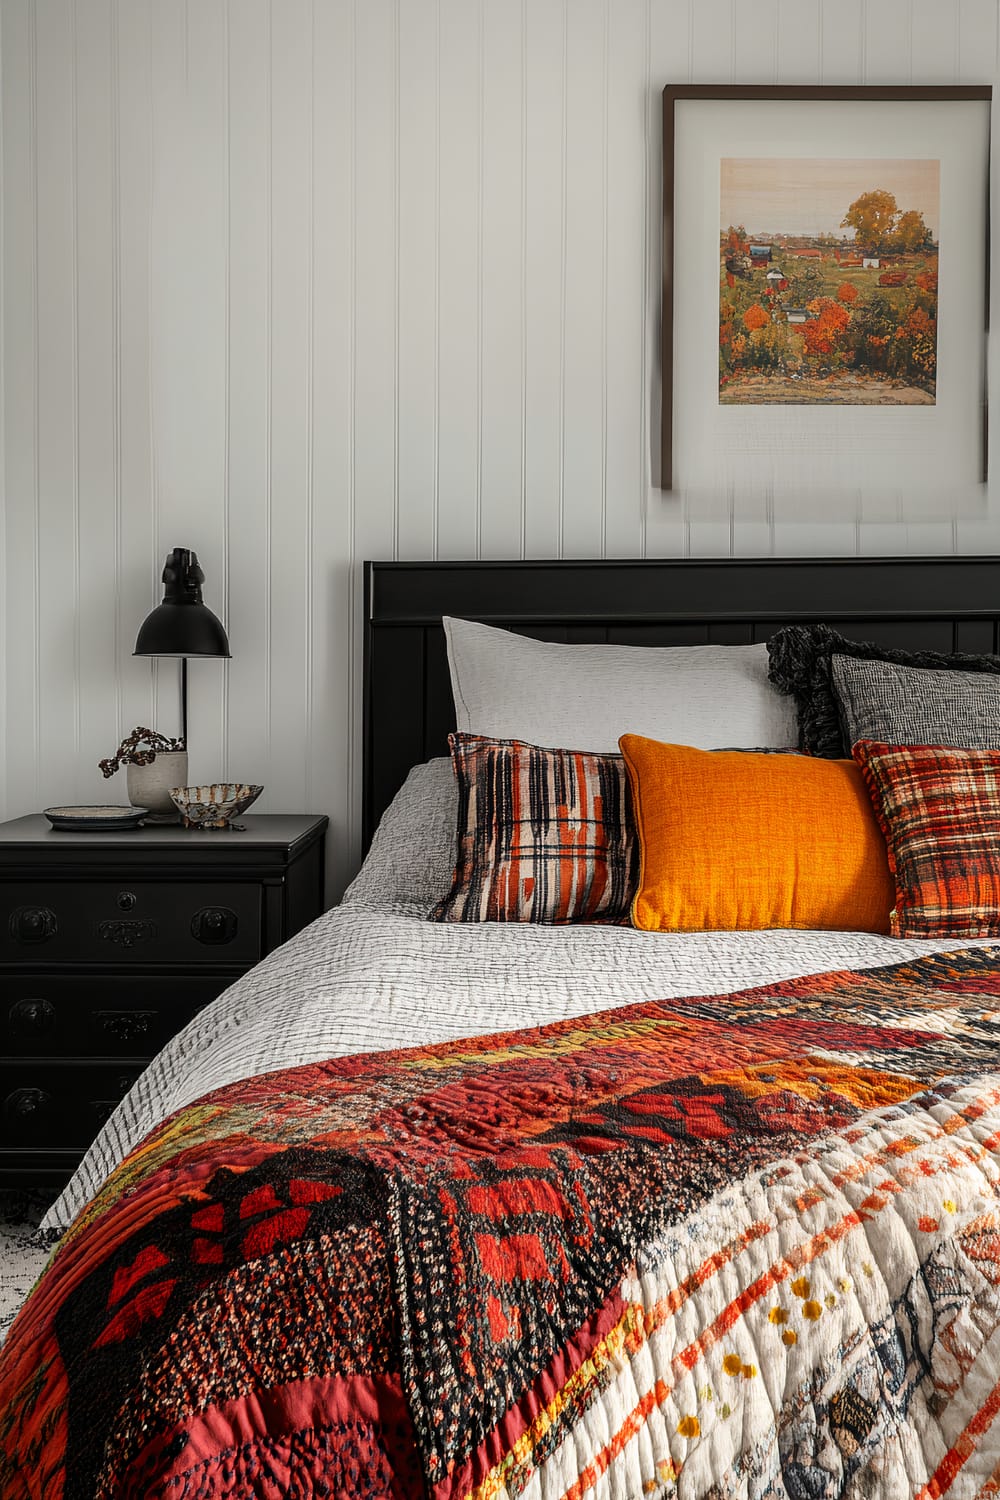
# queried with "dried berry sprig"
point(129, 753)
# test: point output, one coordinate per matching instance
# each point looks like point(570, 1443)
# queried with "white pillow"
point(584, 697)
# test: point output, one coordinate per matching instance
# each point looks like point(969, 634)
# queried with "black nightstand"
point(109, 943)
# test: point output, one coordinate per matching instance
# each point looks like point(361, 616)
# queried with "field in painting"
point(827, 317)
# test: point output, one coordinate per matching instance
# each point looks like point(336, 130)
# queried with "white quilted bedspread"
point(366, 977)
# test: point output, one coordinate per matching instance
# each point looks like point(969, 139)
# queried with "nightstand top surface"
point(261, 831)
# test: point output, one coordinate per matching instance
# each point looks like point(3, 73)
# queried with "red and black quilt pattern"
point(366, 1277)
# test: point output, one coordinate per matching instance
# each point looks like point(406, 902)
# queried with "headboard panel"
point(928, 603)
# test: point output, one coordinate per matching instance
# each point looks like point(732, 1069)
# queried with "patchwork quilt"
point(746, 1245)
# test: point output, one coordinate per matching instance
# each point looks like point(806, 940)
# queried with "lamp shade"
point(182, 625)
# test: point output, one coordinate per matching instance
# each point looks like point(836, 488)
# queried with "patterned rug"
point(21, 1261)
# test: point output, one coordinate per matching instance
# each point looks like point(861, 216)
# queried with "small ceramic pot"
point(149, 786)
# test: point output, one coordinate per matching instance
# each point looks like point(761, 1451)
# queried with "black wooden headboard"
point(932, 603)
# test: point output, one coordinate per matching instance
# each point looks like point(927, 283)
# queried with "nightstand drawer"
point(59, 1104)
point(99, 1016)
point(110, 943)
point(129, 921)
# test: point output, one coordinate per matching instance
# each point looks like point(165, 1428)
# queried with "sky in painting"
point(810, 195)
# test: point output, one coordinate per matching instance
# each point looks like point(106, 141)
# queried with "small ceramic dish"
point(213, 806)
point(95, 819)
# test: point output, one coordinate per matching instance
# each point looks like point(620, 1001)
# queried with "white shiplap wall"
point(300, 282)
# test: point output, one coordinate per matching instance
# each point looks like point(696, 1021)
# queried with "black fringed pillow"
point(800, 666)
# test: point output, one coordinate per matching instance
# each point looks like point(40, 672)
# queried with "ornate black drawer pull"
point(26, 1016)
point(214, 924)
point(32, 924)
point(126, 933)
point(125, 1024)
point(22, 1104)
point(125, 900)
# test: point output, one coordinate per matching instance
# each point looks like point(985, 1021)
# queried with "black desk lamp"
point(182, 625)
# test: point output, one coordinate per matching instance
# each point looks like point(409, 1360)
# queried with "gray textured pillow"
point(916, 705)
point(800, 657)
point(412, 857)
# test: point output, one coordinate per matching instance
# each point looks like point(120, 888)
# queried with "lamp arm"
point(184, 701)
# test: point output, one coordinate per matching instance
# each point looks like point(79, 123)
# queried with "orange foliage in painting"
point(847, 292)
point(917, 335)
point(822, 332)
point(920, 323)
point(755, 317)
point(927, 281)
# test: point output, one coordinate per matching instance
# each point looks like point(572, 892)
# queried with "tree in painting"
point(873, 218)
point(811, 313)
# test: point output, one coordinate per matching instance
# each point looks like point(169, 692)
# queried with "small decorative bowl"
point(213, 806)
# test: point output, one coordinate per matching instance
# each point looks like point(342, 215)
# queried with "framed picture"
point(825, 286)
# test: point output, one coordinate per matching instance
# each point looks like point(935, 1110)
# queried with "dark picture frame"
point(797, 99)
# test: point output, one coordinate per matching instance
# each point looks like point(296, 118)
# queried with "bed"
point(492, 1210)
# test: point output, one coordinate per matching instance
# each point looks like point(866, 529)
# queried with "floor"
point(21, 1260)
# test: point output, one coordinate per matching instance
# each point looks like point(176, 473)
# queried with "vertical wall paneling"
point(977, 25)
point(878, 538)
point(935, 42)
point(334, 651)
point(712, 38)
point(58, 611)
point(3, 476)
point(248, 407)
point(522, 487)
point(375, 278)
point(842, 41)
point(889, 38)
point(436, 511)
point(584, 332)
point(978, 533)
point(307, 735)
point(291, 336)
point(299, 284)
point(756, 38)
point(622, 312)
point(94, 375)
point(374, 374)
point(501, 161)
point(227, 496)
point(543, 21)
point(191, 489)
point(669, 54)
point(417, 250)
point(461, 124)
point(22, 685)
point(800, 50)
point(149, 303)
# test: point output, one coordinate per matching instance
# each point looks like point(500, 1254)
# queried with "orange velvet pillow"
point(732, 840)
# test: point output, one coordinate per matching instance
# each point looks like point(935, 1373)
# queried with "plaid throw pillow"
point(940, 812)
point(543, 835)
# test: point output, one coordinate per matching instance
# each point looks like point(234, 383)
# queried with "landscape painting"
point(828, 281)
